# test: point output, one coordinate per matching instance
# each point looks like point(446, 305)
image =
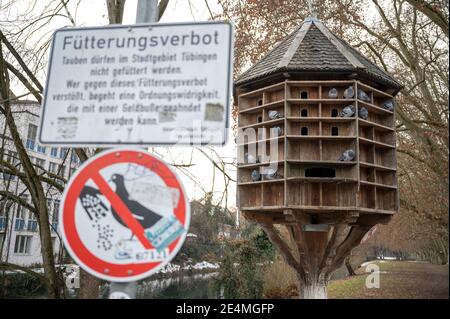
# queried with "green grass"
point(398, 279)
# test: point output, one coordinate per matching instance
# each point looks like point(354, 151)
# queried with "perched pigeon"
point(389, 105)
point(349, 92)
point(348, 111)
point(363, 113)
point(255, 175)
point(273, 114)
point(348, 155)
point(333, 93)
point(276, 131)
point(363, 96)
point(146, 217)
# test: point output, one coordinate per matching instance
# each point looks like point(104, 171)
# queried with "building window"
point(74, 158)
point(2, 218)
point(53, 167)
point(61, 170)
point(54, 152)
point(31, 137)
point(62, 152)
point(19, 223)
point(32, 222)
point(40, 165)
point(55, 215)
point(22, 244)
point(8, 177)
point(41, 149)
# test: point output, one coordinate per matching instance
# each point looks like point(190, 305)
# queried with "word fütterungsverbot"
point(142, 42)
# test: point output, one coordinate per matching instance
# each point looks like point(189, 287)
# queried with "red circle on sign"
point(90, 171)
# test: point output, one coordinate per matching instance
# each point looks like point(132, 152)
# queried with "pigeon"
point(146, 217)
point(273, 114)
point(276, 131)
point(348, 155)
point(389, 105)
point(333, 93)
point(92, 204)
point(255, 175)
point(363, 96)
point(363, 113)
point(348, 111)
point(349, 92)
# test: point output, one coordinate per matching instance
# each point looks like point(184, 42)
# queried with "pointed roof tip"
point(311, 19)
point(312, 47)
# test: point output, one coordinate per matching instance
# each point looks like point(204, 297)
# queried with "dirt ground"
point(398, 280)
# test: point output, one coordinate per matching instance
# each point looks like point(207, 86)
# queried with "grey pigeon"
point(255, 175)
point(363, 96)
point(389, 105)
point(348, 111)
point(363, 113)
point(333, 93)
point(273, 114)
point(348, 155)
point(349, 92)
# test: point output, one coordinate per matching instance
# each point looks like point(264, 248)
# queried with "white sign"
point(144, 84)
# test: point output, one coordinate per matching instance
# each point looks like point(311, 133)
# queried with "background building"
point(19, 230)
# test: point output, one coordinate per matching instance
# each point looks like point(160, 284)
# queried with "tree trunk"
point(350, 270)
point(313, 291)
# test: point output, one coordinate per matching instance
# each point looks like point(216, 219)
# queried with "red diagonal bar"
point(121, 209)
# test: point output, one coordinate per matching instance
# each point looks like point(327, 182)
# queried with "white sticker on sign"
point(140, 84)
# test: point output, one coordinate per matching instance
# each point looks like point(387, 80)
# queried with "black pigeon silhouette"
point(143, 215)
point(91, 203)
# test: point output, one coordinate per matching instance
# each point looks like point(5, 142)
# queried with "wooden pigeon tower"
point(316, 149)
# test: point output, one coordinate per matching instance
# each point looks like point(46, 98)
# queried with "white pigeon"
point(273, 114)
point(363, 113)
point(348, 111)
point(348, 155)
point(333, 93)
point(349, 92)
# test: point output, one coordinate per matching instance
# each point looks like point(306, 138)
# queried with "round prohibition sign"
point(130, 232)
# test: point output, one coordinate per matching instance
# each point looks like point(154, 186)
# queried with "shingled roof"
point(312, 47)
